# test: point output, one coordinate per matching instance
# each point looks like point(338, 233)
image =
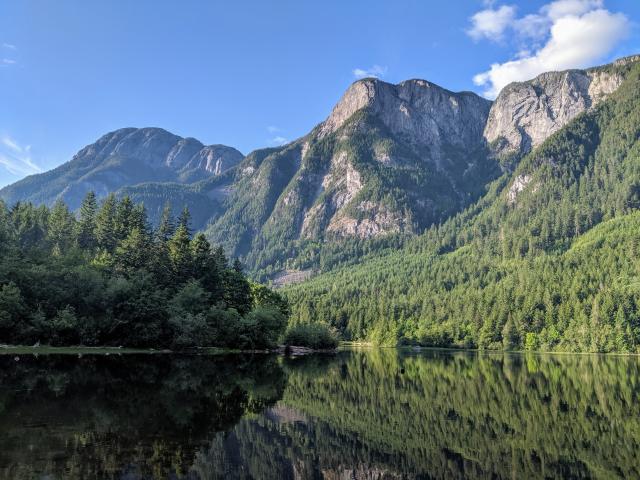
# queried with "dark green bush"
point(311, 335)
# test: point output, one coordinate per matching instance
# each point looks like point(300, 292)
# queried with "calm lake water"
point(372, 414)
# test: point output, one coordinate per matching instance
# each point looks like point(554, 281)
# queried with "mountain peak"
point(414, 98)
point(125, 157)
point(526, 113)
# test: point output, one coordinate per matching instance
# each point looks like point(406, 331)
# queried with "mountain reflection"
point(372, 414)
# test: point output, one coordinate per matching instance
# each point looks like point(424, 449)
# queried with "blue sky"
point(257, 73)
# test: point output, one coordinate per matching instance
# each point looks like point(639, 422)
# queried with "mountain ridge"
point(549, 265)
point(124, 157)
point(389, 161)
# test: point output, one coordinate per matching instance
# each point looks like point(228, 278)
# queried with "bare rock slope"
point(525, 114)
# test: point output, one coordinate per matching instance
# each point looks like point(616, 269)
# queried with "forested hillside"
point(108, 278)
point(548, 259)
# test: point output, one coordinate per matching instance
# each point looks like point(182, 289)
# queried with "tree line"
point(104, 276)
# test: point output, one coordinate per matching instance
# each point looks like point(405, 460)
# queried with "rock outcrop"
point(422, 113)
point(527, 113)
point(389, 159)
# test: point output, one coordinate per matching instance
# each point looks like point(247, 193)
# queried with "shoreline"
point(293, 350)
point(106, 351)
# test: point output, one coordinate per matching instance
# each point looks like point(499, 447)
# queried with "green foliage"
point(262, 328)
point(97, 416)
point(554, 267)
point(107, 279)
point(263, 296)
point(277, 217)
point(456, 415)
point(312, 335)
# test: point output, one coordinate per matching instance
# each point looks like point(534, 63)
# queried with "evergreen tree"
point(184, 219)
point(166, 227)
point(124, 218)
point(205, 267)
point(137, 291)
point(105, 232)
point(61, 228)
point(132, 254)
point(510, 335)
point(87, 222)
point(180, 254)
point(139, 219)
point(237, 292)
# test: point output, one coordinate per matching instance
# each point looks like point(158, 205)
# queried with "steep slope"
point(204, 199)
point(524, 267)
point(126, 157)
point(525, 114)
point(390, 159)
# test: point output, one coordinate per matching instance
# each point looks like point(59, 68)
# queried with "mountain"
point(389, 159)
point(126, 157)
point(527, 113)
point(546, 260)
point(389, 162)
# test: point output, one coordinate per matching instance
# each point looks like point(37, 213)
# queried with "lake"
point(356, 414)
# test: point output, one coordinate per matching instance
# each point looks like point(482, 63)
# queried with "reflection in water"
point(134, 416)
point(364, 414)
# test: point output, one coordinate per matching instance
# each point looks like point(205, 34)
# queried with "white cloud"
point(375, 71)
point(564, 34)
point(491, 23)
point(564, 8)
point(9, 46)
point(278, 141)
point(532, 27)
point(273, 129)
point(7, 61)
point(15, 158)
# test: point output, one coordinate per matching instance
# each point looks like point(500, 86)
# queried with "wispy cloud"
point(15, 158)
point(273, 129)
point(278, 141)
point(375, 71)
point(563, 34)
point(4, 60)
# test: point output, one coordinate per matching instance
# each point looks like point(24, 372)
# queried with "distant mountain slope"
point(204, 199)
point(524, 267)
point(123, 158)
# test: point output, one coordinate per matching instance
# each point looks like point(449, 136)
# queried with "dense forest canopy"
point(551, 264)
point(105, 277)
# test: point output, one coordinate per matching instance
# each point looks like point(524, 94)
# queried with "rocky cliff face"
point(422, 113)
point(388, 159)
point(527, 113)
point(123, 158)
